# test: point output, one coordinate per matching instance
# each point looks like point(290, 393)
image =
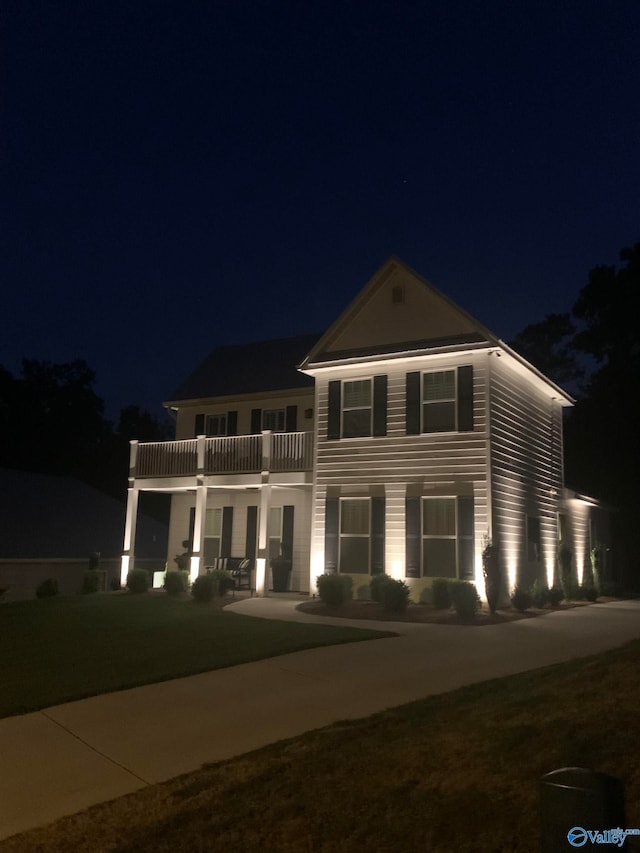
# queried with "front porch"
point(240, 469)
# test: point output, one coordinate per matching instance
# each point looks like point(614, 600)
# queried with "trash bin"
point(579, 799)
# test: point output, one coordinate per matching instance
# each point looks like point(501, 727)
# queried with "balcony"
point(238, 454)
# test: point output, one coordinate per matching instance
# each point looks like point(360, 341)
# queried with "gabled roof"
point(400, 313)
point(47, 517)
point(397, 311)
point(249, 368)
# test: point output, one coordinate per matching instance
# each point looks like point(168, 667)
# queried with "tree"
point(548, 345)
point(601, 434)
point(609, 306)
point(53, 422)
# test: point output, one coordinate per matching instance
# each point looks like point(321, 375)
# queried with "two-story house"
point(398, 441)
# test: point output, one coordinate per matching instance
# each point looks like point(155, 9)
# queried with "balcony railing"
point(237, 454)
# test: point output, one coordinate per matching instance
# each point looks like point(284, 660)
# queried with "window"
point(440, 537)
point(533, 539)
point(356, 408)
point(275, 531)
point(212, 535)
point(273, 419)
point(216, 425)
point(440, 401)
point(355, 527)
point(221, 424)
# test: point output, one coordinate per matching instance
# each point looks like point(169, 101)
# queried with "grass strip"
point(61, 649)
point(455, 772)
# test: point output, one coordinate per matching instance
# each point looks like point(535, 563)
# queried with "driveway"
point(68, 757)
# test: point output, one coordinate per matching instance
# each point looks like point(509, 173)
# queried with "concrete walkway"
point(68, 757)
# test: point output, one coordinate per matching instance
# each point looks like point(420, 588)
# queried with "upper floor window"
point(357, 407)
point(216, 425)
point(283, 419)
point(220, 424)
point(273, 419)
point(440, 401)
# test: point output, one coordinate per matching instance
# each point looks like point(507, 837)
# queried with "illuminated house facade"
point(397, 441)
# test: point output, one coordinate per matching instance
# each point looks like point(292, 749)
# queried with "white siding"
point(396, 464)
point(526, 466)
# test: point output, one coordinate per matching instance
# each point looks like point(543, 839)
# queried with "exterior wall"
point(240, 500)
point(303, 399)
point(526, 470)
point(399, 465)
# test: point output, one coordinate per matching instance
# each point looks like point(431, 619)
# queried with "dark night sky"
point(186, 174)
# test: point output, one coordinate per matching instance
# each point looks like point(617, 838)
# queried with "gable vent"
point(397, 295)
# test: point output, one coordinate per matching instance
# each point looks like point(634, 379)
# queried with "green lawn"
point(59, 649)
point(458, 772)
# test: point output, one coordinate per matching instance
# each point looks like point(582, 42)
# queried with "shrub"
point(335, 589)
point(48, 588)
point(222, 581)
point(573, 591)
point(539, 593)
point(395, 596)
point(590, 591)
point(91, 582)
point(441, 593)
point(376, 584)
point(556, 594)
point(202, 588)
point(521, 599)
point(465, 598)
point(176, 582)
point(138, 580)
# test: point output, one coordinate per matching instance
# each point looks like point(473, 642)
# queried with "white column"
point(263, 555)
point(198, 531)
point(128, 558)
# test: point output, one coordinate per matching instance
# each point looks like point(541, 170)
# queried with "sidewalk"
point(63, 759)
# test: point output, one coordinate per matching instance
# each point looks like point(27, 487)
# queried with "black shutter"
point(333, 421)
point(199, 425)
point(379, 405)
point(227, 525)
point(287, 532)
point(413, 403)
point(465, 538)
point(377, 535)
point(192, 524)
point(252, 531)
point(412, 552)
point(291, 419)
point(465, 398)
point(232, 423)
point(332, 512)
point(256, 421)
